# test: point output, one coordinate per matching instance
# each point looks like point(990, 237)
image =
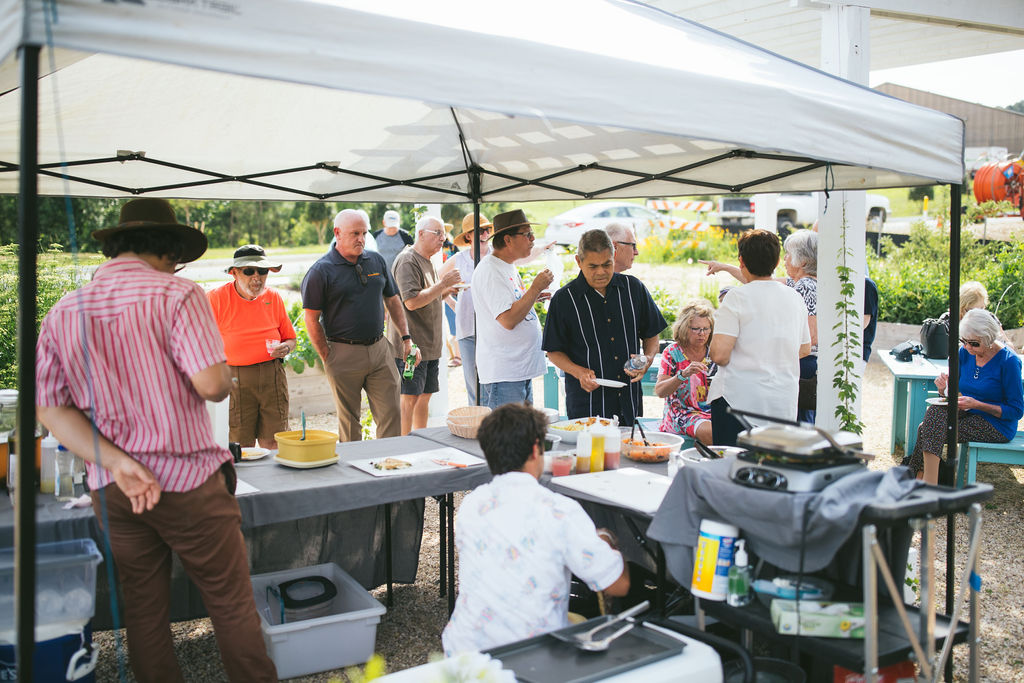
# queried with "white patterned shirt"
point(518, 543)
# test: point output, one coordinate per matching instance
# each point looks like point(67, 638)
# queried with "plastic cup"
point(272, 344)
point(561, 464)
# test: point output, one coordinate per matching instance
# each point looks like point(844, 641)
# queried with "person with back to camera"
point(990, 401)
point(761, 333)
point(518, 543)
point(974, 295)
point(685, 373)
point(801, 263)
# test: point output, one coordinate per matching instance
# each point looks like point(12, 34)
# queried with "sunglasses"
point(970, 342)
point(249, 272)
point(527, 235)
point(361, 275)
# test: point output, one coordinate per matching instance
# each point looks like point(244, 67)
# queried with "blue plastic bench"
point(1009, 453)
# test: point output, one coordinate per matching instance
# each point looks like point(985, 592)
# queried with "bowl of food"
point(318, 445)
point(466, 420)
point(570, 429)
point(656, 448)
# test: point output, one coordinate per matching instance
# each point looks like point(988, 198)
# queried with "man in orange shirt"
point(257, 336)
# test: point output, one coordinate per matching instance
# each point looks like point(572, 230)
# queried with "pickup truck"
point(797, 209)
point(734, 214)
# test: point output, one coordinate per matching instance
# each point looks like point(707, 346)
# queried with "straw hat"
point(156, 214)
point(465, 234)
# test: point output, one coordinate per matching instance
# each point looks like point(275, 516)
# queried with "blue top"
point(349, 308)
point(998, 383)
point(600, 333)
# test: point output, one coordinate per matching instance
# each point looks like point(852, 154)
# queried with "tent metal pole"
point(25, 492)
point(954, 390)
point(474, 192)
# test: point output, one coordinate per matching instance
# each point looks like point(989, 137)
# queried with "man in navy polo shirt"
point(595, 324)
point(344, 295)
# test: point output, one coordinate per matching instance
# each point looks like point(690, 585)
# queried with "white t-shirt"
point(504, 355)
point(769, 321)
point(518, 543)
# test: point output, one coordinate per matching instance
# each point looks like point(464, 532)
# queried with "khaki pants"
point(203, 527)
point(259, 402)
point(352, 368)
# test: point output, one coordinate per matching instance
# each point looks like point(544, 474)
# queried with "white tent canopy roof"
point(370, 101)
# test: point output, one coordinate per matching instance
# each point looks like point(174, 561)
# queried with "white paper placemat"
point(421, 462)
point(629, 487)
point(242, 488)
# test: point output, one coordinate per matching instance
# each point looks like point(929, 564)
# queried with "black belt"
point(357, 342)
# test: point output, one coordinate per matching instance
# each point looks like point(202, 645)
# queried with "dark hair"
point(501, 240)
point(595, 242)
point(508, 435)
point(145, 241)
point(759, 250)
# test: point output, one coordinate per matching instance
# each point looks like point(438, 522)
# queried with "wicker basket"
point(466, 420)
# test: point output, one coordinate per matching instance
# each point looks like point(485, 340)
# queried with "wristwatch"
point(406, 337)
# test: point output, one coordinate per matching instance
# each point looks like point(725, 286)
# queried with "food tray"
point(661, 447)
point(570, 429)
point(545, 659)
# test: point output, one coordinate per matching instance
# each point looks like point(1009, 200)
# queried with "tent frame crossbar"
point(383, 182)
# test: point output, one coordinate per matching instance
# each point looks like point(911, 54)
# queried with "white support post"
point(844, 52)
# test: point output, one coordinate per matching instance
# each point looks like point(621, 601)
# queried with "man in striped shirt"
point(595, 324)
point(124, 366)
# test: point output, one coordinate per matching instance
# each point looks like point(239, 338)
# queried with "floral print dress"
point(687, 407)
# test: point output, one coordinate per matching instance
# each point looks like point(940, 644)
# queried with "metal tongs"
point(586, 640)
point(636, 423)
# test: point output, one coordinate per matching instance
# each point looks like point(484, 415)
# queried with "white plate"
point(570, 436)
point(460, 285)
point(612, 383)
point(250, 454)
point(305, 465)
point(937, 401)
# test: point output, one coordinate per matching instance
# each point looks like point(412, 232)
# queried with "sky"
point(993, 80)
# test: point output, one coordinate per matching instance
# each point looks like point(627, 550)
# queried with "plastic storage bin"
point(345, 636)
point(65, 604)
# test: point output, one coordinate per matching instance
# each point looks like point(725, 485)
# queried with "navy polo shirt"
point(350, 309)
point(601, 333)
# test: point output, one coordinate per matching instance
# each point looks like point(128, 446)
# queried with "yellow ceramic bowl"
point(319, 445)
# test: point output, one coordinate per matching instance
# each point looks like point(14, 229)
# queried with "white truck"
point(796, 209)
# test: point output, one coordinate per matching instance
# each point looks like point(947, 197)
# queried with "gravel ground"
point(410, 632)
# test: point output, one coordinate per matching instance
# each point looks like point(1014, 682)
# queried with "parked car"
point(566, 228)
point(734, 214)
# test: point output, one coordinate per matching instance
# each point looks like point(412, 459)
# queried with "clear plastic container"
point(48, 463)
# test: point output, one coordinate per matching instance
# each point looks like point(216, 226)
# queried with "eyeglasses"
point(631, 245)
point(527, 235)
point(361, 275)
point(970, 342)
point(434, 232)
point(700, 330)
point(249, 272)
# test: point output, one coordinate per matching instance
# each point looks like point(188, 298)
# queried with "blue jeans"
point(500, 393)
point(467, 349)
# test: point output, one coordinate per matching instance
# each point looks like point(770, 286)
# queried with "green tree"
point(1017, 107)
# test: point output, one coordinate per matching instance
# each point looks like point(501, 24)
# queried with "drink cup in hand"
point(271, 345)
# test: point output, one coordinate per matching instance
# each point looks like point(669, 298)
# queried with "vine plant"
point(847, 339)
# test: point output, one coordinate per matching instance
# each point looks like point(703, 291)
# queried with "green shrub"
point(679, 246)
point(304, 353)
point(57, 275)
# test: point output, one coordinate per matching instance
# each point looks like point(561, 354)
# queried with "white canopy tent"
point(445, 101)
point(396, 101)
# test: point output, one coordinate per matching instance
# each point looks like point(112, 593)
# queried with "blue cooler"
point(65, 604)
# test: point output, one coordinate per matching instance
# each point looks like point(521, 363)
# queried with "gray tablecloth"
point(297, 518)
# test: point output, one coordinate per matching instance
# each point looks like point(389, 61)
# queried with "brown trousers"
point(351, 368)
point(203, 527)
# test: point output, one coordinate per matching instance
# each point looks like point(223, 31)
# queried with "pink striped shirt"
point(147, 334)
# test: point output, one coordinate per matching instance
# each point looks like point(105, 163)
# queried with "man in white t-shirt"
point(760, 335)
point(508, 332)
point(518, 542)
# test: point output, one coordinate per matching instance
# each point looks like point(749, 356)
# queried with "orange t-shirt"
point(247, 325)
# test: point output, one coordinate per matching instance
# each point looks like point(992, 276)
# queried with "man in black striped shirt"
point(595, 324)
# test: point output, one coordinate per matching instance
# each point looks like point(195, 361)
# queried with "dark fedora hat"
point(509, 221)
point(156, 214)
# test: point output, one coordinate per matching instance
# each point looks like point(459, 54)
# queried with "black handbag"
point(935, 338)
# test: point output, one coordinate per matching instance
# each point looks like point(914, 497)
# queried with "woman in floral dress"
point(686, 371)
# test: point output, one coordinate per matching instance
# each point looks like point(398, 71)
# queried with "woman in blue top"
point(991, 399)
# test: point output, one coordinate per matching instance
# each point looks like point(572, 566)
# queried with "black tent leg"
point(954, 389)
point(28, 235)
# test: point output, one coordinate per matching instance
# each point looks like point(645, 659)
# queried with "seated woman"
point(685, 371)
point(991, 399)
